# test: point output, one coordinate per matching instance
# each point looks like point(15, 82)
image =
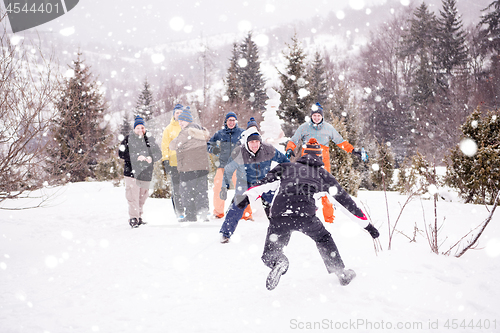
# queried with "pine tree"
point(251, 79)
point(81, 134)
point(125, 128)
point(318, 86)
point(294, 90)
point(451, 39)
point(420, 41)
point(382, 176)
point(474, 165)
point(233, 86)
point(145, 105)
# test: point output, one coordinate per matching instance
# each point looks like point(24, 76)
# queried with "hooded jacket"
point(191, 148)
point(134, 146)
point(298, 187)
point(226, 139)
point(171, 132)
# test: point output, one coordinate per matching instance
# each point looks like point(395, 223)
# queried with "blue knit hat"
point(317, 108)
point(186, 115)
point(138, 121)
point(178, 107)
point(252, 122)
point(229, 115)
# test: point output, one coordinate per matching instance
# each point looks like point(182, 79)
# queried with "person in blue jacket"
point(221, 144)
point(252, 161)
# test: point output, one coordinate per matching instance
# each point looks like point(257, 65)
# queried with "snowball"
point(357, 4)
point(177, 23)
point(273, 237)
point(242, 63)
point(468, 147)
point(270, 8)
point(244, 26)
point(67, 31)
point(340, 14)
point(157, 58)
point(492, 248)
point(375, 167)
point(303, 92)
point(261, 40)
point(51, 261)
point(69, 73)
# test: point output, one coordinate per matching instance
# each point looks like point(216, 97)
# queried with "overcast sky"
point(157, 21)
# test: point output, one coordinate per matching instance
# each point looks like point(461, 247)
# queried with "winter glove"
point(216, 150)
point(242, 201)
point(289, 153)
point(167, 167)
point(361, 153)
point(372, 230)
point(223, 193)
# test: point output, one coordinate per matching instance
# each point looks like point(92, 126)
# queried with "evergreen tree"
point(318, 86)
point(233, 86)
point(80, 135)
point(294, 90)
point(382, 176)
point(145, 106)
point(451, 39)
point(474, 165)
point(490, 42)
point(420, 41)
point(125, 128)
point(251, 80)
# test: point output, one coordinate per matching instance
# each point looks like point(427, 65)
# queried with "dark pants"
point(175, 178)
point(194, 193)
point(278, 236)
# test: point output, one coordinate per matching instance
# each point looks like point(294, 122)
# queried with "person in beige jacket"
point(193, 166)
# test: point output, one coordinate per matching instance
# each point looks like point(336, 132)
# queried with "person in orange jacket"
point(323, 132)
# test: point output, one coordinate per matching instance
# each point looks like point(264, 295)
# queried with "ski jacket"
point(299, 186)
point(134, 146)
point(251, 167)
point(226, 139)
point(191, 148)
point(171, 132)
point(323, 133)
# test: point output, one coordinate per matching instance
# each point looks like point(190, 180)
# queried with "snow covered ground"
point(76, 266)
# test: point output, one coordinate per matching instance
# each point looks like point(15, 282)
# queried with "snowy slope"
point(76, 266)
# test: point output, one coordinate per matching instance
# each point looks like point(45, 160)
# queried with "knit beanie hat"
point(312, 147)
point(186, 115)
point(229, 115)
point(178, 107)
point(253, 134)
point(252, 122)
point(317, 108)
point(138, 121)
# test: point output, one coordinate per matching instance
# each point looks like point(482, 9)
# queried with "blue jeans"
point(234, 214)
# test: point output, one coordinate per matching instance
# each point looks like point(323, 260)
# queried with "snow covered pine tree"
point(298, 186)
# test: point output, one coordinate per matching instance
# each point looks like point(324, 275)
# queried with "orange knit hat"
point(312, 147)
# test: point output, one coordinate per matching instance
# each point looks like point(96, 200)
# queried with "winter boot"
point(278, 270)
point(224, 239)
point(345, 276)
point(133, 223)
point(141, 222)
point(188, 219)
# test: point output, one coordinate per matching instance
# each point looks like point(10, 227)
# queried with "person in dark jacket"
point(251, 162)
point(299, 185)
point(139, 151)
point(221, 144)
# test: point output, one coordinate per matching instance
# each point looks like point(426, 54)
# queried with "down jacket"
point(191, 148)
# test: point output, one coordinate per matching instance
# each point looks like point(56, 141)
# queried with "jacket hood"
point(312, 160)
point(198, 132)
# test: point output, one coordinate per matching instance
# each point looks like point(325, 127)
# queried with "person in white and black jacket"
point(139, 151)
point(298, 185)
